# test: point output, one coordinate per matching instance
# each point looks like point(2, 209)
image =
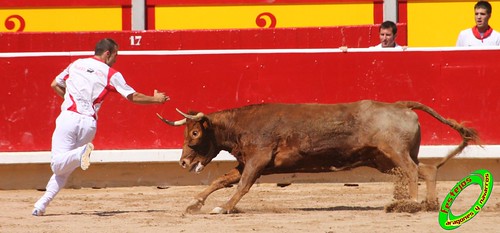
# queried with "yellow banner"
point(453, 17)
point(61, 19)
point(262, 16)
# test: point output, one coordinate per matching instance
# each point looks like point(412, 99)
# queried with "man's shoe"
point(37, 212)
point(85, 160)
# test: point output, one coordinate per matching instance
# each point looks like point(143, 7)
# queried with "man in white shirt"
point(83, 85)
point(481, 34)
point(388, 32)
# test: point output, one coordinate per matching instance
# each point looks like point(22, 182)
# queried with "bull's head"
point(199, 147)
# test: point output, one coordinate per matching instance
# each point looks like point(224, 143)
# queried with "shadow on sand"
point(342, 208)
point(117, 212)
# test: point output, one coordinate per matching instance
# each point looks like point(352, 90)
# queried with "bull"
point(294, 138)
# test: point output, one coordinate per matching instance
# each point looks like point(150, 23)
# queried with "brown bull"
point(288, 138)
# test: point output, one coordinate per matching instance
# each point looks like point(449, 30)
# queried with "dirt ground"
point(299, 207)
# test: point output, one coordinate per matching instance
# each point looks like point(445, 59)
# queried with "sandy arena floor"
point(318, 207)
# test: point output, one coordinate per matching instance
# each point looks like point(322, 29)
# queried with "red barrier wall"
point(458, 84)
point(329, 37)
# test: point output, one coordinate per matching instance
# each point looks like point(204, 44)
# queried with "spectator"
point(481, 34)
point(387, 33)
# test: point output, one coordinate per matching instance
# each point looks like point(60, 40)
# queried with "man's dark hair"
point(389, 24)
point(485, 5)
point(104, 45)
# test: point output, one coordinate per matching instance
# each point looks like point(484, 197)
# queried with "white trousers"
point(72, 133)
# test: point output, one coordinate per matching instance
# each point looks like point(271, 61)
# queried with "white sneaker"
point(37, 212)
point(85, 160)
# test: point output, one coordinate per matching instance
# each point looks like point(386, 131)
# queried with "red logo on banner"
point(262, 22)
point(15, 23)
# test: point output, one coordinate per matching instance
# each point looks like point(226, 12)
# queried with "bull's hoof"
point(403, 206)
point(219, 210)
point(430, 205)
point(194, 206)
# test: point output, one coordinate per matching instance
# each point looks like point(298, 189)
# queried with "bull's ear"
point(206, 124)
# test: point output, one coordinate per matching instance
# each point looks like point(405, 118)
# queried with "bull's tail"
point(467, 134)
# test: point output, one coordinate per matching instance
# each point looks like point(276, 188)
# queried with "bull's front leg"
point(250, 174)
point(232, 177)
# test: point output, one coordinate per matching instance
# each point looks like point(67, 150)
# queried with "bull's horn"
point(196, 117)
point(175, 123)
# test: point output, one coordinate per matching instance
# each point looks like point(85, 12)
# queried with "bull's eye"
point(195, 133)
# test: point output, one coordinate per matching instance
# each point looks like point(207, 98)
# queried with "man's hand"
point(160, 97)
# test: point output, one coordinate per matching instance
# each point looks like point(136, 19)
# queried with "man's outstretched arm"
point(156, 98)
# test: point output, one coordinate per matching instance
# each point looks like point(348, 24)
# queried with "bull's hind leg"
point(429, 174)
point(232, 177)
point(409, 172)
point(408, 169)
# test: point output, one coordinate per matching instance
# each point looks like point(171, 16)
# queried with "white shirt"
point(380, 46)
point(87, 82)
point(466, 38)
